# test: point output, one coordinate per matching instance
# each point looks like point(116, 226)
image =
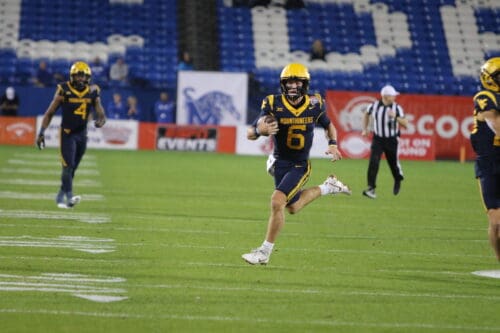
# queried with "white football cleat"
point(257, 256)
point(370, 193)
point(62, 205)
point(335, 186)
point(74, 201)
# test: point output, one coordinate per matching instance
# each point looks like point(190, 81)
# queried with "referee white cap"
point(388, 90)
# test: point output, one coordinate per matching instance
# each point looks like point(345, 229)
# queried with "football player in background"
point(485, 139)
point(291, 118)
point(76, 98)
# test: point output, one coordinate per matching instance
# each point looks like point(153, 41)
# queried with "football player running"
point(76, 98)
point(291, 118)
point(485, 139)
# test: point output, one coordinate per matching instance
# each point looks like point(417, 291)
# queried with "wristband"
point(332, 142)
point(257, 130)
point(42, 131)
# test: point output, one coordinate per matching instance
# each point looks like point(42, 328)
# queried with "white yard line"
point(41, 156)
point(55, 183)
point(77, 243)
point(250, 320)
point(48, 215)
point(47, 163)
point(132, 229)
point(375, 294)
point(44, 196)
point(51, 171)
point(217, 247)
point(59, 258)
point(327, 269)
point(93, 288)
point(232, 220)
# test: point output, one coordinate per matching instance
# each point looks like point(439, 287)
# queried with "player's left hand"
point(40, 141)
point(334, 152)
point(100, 122)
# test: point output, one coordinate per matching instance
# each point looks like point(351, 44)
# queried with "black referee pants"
point(389, 147)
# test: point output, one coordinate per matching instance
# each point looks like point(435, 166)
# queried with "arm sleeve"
point(369, 109)
point(400, 112)
point(323, 119)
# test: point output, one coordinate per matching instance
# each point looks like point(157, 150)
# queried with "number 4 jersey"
point(76, 106)
point(296, 124)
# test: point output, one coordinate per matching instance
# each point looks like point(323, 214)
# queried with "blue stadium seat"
point(154, 20)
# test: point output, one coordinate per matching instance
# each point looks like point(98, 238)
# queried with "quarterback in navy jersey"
point(76, 98)
point(291, 118)
point(485, 140)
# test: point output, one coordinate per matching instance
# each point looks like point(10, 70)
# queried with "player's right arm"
point(47, 117)
point(267, 124)
point(366, 122)
point(252, 131)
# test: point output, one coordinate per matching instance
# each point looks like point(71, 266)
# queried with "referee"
point(386, 116)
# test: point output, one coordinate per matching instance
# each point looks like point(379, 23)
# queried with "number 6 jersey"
point(296, 124)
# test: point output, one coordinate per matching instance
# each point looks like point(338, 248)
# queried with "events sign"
point(196, 138)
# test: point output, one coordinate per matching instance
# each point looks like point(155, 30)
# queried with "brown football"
point(269, 119)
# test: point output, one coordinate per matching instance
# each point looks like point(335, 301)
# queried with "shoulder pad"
point(485, 100)
point(60, 89)
point(269, 99)
point(95, 88)
point(316, 99)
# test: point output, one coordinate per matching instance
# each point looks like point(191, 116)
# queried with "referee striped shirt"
point(383, 125)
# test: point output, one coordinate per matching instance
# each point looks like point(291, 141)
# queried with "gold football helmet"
point(77, 69)
point(490, 74)
point(297, 72)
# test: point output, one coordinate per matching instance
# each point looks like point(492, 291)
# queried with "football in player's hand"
point(268, 125)
point(269, 119)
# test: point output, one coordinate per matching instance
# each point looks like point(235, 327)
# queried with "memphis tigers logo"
point(210, 108)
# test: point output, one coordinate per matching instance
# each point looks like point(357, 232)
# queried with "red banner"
point(444, 120)
point(17, 131)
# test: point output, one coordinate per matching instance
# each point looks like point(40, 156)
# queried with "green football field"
point(156, 243)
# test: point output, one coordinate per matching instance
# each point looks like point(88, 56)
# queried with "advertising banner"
point(116, 134)
point(444, 120)
point(416, 147)
point(196, 138)
point(17, 131)
point(211, 98)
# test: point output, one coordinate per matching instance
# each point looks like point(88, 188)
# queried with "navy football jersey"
point(482, 137)
point(296, 124)
point(486, 145)
point(76, 105)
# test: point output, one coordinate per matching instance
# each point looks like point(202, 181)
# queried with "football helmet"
point(80, 68)
point(297, 72)
point(490, 74)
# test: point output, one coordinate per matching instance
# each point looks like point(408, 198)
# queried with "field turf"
point(156, 243)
